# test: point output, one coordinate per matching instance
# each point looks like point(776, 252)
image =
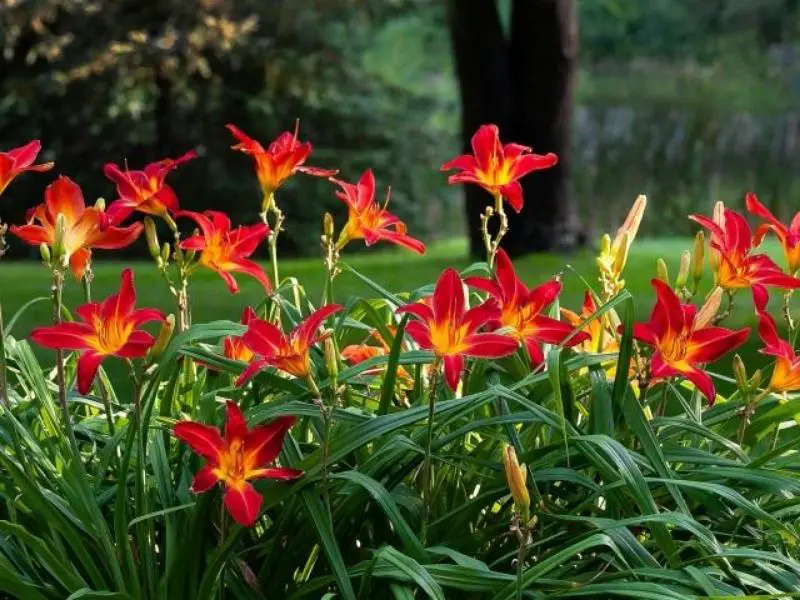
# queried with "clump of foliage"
point(470, 439)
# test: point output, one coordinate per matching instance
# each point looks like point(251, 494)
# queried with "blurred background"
point(688, 101)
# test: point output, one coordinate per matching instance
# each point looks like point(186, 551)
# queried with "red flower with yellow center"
point(284, 157)
point(240, 456)
point(789, 237)
point(227, 250)
point(521, 309)
point(144, 191)
point(682, 343)
point(84, 228)
point(19, 160)
point(497, 168)
point(108, 328)
point(234, 347)
point(448, 329)
point(736, 267)
point(786, 375)
point(290, 353)
point(367, 220)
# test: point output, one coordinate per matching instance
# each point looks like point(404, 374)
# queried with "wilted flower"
point(70, 229)
point(521, 310)
point(108, 328)
point(240, 456)
point(447, 328)
point(18, 160)
point(367, 220)
point(227, 250)
point(496, 167)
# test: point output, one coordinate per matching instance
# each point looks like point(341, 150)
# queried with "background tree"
point(521, 77)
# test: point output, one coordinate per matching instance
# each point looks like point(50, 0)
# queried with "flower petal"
point(306, 332)
point(490, 345)
point(453, 367)
point(204, 479)
point(263, 443)
point(709, 344)
point(243, 503)
point(202, 439)
point(280, 473)
point(512, 193)
point(64, 336)
point(88, 363)
point(448, 298)
point(235, 424)
point(420, 333)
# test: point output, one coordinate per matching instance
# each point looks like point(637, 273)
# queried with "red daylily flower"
point(234, 348)
point(497, 167)
point(447, 328)
point(369, 222)
point(789, 237)
point(86, 228)
point(144, 191)
point(227, 250)
point(284, 157)
point(737, 267)
point(109, 328)
point(290, 353)
point(521, 309)
point(786, 375)
point(18, 160)
point(237, 457)
point(681, 343)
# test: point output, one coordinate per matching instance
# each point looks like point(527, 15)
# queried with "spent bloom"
point(144, 191)
point(497, 167)
point(284, 157)
point(521, 310)
point(789, 237)
point(18, 160)
point(108, 328)
point(368, 220)
point(682, 342)
point(446, 327)
point(227, 250)
point(736, 267)
point(236, 457)
point(614, 253)
point(287, 352)
point(70, 229)
point(786, 375)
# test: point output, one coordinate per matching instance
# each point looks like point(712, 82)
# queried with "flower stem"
point(749, 410)
point(3, 366)
point(426, 466)
point(57, 291)
point(727, 312)
point(519, 528)
point(493, 245)
point(223, 533)
point(787, 312)
point(327, 420)
point(88, 277)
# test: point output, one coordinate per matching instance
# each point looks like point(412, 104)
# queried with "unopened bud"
point(739, 372)
point(710, 309)
point(683, 270)
point(331, 358)
point(59, 249)
point(605, 244)
point(516, 476)
point(631, 224)
point(662, 272)
point(327, 226)
point(165, 250)
point(45, 252)
point(621, 256)
point(755, 380)
point(698, 258)
point(164, 336)
point(152, 238)
point(100, 204)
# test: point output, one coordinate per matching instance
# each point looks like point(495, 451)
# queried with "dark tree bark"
point(524, 84)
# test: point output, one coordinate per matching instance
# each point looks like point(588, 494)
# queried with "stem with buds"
point(57, 291)
point(427, 486)
point(787, 312)
point(270, 206)
point(493, 245)
point(728, 309)
point(748, 411)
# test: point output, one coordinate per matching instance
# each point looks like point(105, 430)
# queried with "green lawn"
point(394, 269)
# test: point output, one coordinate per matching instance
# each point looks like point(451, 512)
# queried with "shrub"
point(467, 440)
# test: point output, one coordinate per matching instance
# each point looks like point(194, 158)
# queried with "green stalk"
point(426, 466)
point(57, 292)
point(3, 365)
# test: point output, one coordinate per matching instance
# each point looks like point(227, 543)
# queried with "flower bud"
point(740, 373)
point(683, 270)
point(516, 476)
point(59, 249)
point(165, 251)
point(698, 257)
point(631, 224)
point(164, 336)
point(327, 226)
point(331, 358)
point(152, 238)
point(709, 309)
point(45, 252)
point(662, 272)
point(718, 217)
point(605, 244)
point(621, 256)
point(100, 204)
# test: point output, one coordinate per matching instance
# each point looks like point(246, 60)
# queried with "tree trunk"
point(524, 85)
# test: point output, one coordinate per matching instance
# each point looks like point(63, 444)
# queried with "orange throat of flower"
point(447, 340)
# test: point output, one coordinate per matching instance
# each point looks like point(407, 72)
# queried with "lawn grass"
point(396, 270)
